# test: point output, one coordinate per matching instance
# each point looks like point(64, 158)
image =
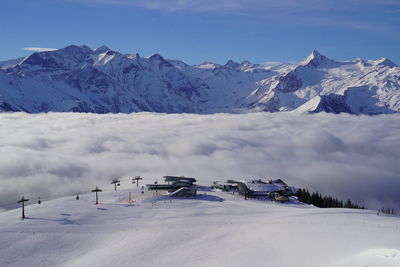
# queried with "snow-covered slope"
point(201, 231)
point(77, 78)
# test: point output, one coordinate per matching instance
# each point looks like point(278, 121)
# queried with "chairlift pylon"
point(116, 182)
point(23, 200)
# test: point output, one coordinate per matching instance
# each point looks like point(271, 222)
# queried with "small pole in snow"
point(23, 200)
point(116, 182)
point(97, 189)
point(130, 197)
point(137, 178)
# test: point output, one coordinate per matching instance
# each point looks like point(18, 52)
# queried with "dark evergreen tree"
point(321, 201)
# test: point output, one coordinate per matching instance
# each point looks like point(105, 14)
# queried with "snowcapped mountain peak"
point(246, 63)
point(208, 65)
point(102, 49)
point(316, 53)
point(133, 56)
point(315, 59)
point(232, 64)
point(67, 57)
point(360, 62)
point(156, 57)
point(378, 62)
point(385, 62)
point(83, 49)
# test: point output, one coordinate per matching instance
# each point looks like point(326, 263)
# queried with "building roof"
point(184, 191)
point(179, 178)
point(279, 181)
point(261, 186)
point(223, 183)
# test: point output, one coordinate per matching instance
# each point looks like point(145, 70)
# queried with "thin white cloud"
point(203, 5)
point(38, 49)
point(239, 5)
point(311, 13)
point(55, 154)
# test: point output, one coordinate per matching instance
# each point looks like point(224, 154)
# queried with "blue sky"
point(206, 30)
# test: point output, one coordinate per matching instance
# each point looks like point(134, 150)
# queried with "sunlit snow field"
point(201, 231)
point(60, 154)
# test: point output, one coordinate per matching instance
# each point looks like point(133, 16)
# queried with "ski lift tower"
point(137, 178)
point(116, 182)
point(23, 200)
point(97, 189)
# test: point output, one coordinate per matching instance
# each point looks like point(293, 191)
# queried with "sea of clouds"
point(58, 154)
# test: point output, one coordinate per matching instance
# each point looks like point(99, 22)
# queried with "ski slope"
point(202, 231)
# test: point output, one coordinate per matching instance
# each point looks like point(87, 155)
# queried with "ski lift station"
point(180, 186)
point(177, 186)
point(225, 186)
point(272, 189)
point(259, 188)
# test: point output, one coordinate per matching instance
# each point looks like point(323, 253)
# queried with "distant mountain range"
point(79, 79)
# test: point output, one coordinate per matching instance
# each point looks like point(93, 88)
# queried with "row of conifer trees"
point(387, 211)
point(320, 201)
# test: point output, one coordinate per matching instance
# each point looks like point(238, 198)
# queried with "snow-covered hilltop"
point(77, 78)
point(216, 229)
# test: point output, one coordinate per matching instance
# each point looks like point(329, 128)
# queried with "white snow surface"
point(58, 154)
point(200, 231)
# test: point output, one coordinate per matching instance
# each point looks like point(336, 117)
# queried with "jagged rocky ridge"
point(79, 79)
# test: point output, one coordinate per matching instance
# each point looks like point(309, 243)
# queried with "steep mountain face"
point(79, 79)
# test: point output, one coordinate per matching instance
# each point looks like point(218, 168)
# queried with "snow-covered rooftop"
point(262, 186)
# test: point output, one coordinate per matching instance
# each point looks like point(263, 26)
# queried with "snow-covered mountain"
point(77, 78)
point(321, 84)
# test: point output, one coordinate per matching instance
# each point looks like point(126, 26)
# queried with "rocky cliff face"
point(79, 79)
